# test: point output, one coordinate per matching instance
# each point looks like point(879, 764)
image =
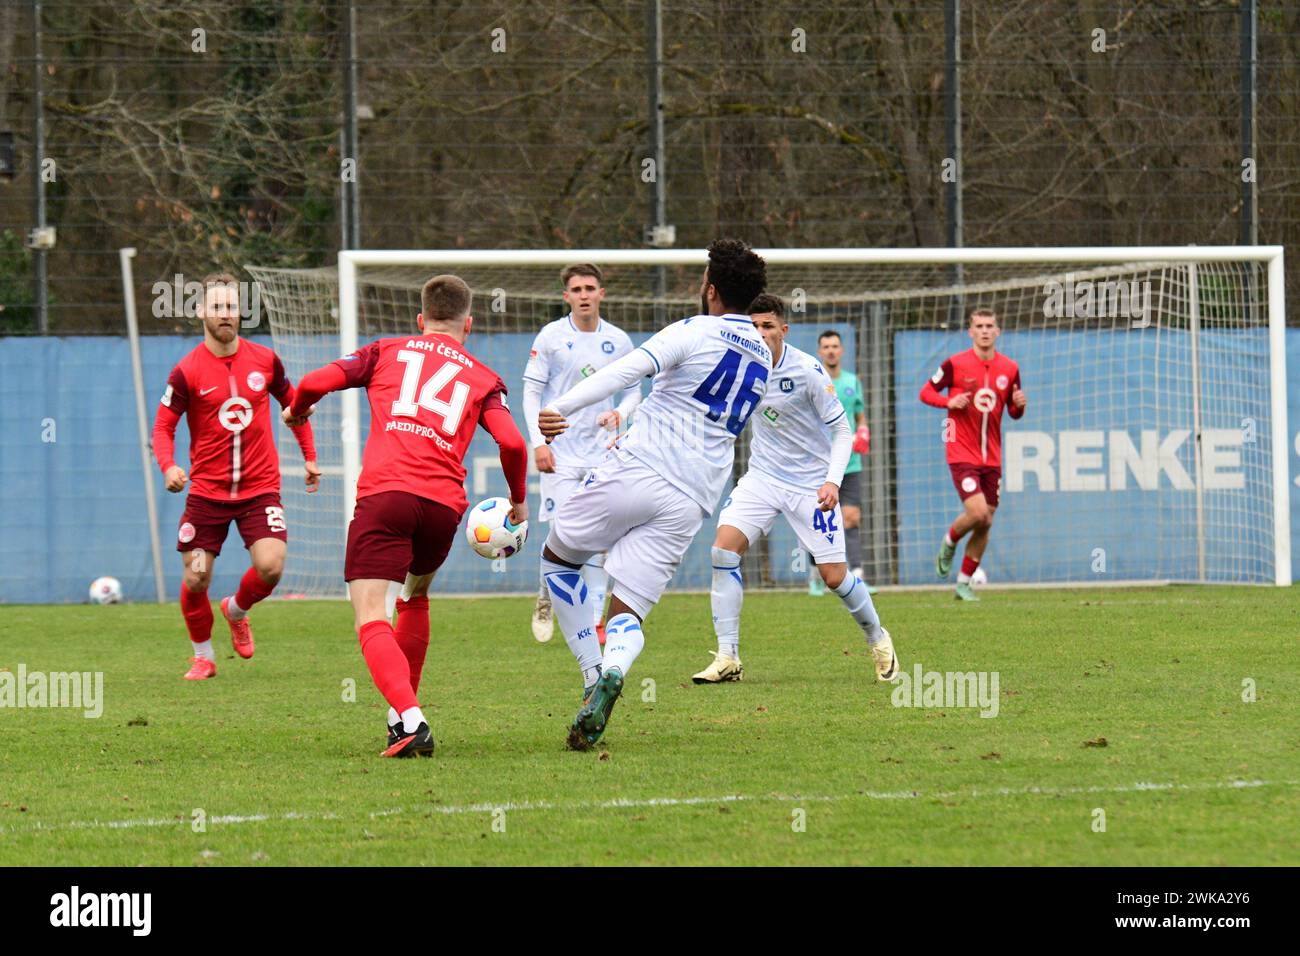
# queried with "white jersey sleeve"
point(562, 357)
point(792, 438)
point(538, 368)
point(710, 375)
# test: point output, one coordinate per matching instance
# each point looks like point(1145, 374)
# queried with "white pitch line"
point(629, 803)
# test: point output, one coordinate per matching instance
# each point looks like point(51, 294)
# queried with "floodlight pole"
point(350, 208)
point(952, 125)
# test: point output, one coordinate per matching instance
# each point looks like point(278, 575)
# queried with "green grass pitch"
point(805, 762)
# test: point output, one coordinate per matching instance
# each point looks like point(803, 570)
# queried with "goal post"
point(1156, 426)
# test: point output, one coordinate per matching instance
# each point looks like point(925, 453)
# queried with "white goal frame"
point(1272, 256)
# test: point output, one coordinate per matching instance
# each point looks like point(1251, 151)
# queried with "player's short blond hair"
point(445, 298)
point(983, 312)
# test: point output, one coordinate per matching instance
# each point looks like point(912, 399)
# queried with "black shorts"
point(851, 491)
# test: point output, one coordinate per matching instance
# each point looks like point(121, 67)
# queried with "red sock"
point(388, 667)
point(251, 589)
point(197, 611)
point(968, 565)
point(412, 633)
point(953, 536)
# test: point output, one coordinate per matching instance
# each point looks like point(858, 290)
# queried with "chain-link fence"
point(211, 134)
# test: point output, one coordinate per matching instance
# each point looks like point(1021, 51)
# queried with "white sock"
point(571, 604)
point(727, 594)
point(593, 572)
point(234, 610)
point(204, 651)
point(412, 718)
point(393, 717)
point(623, 642)
point(963, 578)
point(947, 540)
point(855, 597)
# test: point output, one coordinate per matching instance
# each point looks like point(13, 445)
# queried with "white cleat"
point(543, 620)
point(886, 661)
point(722, 669)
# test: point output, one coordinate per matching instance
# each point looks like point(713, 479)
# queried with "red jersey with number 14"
point(427, 396)
point(977, 439)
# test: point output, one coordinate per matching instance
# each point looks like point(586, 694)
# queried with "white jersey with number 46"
point(711, 373)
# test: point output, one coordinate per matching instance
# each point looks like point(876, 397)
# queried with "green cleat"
point(965, 593)
point(943, 561)
point(589, 724)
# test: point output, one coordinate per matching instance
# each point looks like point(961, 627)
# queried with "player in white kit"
point(801, 445)
point(644, 504)
point(564, 353)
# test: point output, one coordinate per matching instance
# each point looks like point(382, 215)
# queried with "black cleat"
point(589, 724)
point(394, 733)
point(420, 743)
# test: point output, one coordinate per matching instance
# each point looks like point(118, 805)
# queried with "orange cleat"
point(600, 632)
point(201, 669)
point(241, 633)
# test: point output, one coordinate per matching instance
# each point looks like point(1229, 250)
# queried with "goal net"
point(1153, 447)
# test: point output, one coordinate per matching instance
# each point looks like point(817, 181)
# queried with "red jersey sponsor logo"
point(427, 396)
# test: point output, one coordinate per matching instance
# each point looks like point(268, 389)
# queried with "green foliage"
point(17, 300)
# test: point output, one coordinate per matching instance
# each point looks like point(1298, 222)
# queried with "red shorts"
point(393, 532)
point(206, 522)
point(977, 479)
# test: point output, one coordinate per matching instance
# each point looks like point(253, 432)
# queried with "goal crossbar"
point(351, 261)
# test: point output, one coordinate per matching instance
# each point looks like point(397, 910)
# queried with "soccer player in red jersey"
point(221, 388)
point(981, 384)
point(427, 397)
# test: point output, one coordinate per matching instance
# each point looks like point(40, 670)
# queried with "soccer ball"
point(979, 577)
point(106, 591)
point(489, 531)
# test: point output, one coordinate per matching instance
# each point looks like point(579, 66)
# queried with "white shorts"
point(557, 487)
point(644, 524)
point(756, 501)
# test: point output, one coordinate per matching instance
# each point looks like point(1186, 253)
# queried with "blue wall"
point(73, 508)
point(1083, 387)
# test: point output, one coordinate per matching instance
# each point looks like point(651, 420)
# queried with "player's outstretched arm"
point(314, 386)
point(630, 369)
point(500, 424)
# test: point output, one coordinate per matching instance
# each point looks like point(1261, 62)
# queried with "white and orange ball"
point(490, 532)
point(106, 591)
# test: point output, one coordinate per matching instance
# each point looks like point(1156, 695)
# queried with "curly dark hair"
point(767, 302)
point(736, 272)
